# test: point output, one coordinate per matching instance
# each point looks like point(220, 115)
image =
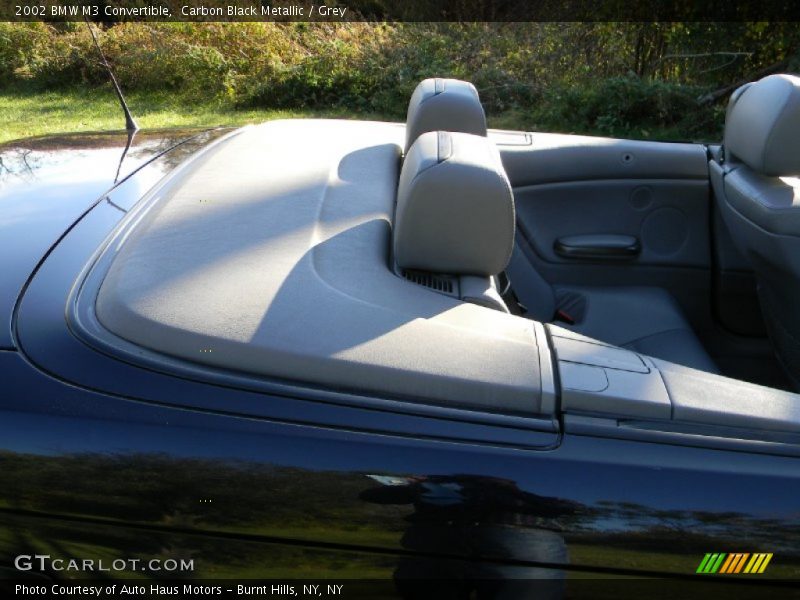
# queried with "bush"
point(376, 67)
point(325, 66)
point(563, 77)
point(628, 106)
point(16, 41)
point(155, 57)
point(42, 53)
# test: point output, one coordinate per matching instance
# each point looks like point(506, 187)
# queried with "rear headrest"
point(455, 208)
point(444, 105)
point(762, 126)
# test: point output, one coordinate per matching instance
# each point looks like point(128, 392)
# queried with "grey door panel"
point(690, 286)
point(553, 157)
point(657, 192)
point(668, 217)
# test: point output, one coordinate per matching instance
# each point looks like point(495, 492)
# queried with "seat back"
point(455, 213)
point(453, 105)
point(444, 105)
point(758, 193)
point(455, 208)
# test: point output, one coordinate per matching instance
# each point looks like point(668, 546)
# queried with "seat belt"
point(531, 290)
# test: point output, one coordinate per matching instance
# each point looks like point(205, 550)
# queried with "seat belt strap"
point(533, 292)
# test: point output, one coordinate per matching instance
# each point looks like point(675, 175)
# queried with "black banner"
point(394, 10)
point(440, 589)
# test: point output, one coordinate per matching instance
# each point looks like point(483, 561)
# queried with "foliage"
point(641, 79)
point(630, 107)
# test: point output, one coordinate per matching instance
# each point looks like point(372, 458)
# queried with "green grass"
point(29, 112)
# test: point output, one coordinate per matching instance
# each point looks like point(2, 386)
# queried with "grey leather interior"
point(647, 320)
point(763, 126)
point(434, 234)
point(658, 193)
point(444, 105)
point(605, 381)
point(735, 298)
point(773, 203)
point(287, 274)
point(714, 400)
point(455, 209)
point(556, 157)
point(655, 192)
point(597, 378)
point(758, 194)
point(338, 264)
point(644, 319)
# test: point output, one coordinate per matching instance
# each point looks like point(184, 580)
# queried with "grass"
point(28, 112)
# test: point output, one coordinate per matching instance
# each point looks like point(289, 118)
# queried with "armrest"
point(598, 247)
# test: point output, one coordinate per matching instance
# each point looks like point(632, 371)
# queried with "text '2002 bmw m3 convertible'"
point(407, 350)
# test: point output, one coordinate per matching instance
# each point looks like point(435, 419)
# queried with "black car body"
point(109, 454)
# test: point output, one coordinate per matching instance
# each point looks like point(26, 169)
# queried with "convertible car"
point(405, 352)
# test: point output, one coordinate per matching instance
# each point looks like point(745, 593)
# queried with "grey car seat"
point(455, 215)
point(644, 319)
point(757, 191)
point(444, 105)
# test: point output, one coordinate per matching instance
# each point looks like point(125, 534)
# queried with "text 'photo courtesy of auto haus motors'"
point(399, 351)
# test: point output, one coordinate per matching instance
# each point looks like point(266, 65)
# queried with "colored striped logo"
point(734, 563)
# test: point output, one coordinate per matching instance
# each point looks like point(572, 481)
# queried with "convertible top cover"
point(270, 254)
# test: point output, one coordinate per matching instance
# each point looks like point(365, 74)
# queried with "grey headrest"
point(455, 208)
point(762, 126)
point(444, 105)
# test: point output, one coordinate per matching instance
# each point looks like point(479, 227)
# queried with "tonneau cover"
point(270, 255)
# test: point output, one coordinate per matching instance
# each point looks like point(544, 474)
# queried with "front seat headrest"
point(455, 207)
point(444, 105)
point(762, 126)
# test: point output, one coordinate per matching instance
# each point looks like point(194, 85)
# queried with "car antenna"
point(130, 122)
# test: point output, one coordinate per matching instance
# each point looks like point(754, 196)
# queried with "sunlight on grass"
point(26, 113)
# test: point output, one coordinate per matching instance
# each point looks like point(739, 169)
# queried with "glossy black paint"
point(105, 457)
point(47, 183)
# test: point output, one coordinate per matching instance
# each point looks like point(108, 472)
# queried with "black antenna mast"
point(130, 122)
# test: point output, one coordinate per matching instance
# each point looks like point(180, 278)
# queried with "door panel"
point(668, 217)
point(658, 192)
point(552, 157)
